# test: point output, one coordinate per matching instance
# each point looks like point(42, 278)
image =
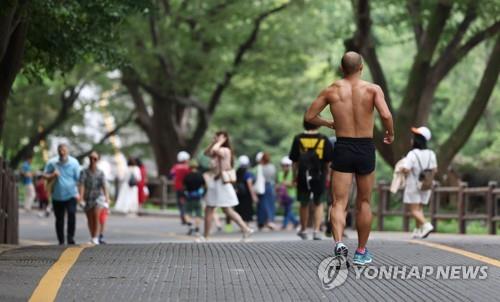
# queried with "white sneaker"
point(200, 239)
point(417, 233)
point(427, 228)
point(248, 233)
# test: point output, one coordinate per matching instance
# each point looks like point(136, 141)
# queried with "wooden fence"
point(463, 203)
point(9, 223)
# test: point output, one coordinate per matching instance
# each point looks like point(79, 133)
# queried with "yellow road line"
point(461, 252)
point(51, 282)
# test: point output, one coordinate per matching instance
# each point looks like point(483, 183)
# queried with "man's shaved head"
point(351, 62)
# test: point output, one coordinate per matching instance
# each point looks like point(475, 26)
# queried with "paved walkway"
point(270, 267)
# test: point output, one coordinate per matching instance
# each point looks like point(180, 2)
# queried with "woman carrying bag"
point(220, 191)
point(419, 165)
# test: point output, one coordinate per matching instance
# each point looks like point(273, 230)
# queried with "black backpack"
point(310, 173)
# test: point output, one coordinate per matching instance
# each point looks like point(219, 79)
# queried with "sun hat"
point(424, 131)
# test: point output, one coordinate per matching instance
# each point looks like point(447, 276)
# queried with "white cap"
point(424, 131)
point(286, 161)
point(259, 156)
point(243, 160)
point(183, 156)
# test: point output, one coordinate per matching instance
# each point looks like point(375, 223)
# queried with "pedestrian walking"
point(27, 180)
point(352, 102)
point(42, 196)
point(177, 173)
point(128, 196)
point(419, 166)
point(220, 191)
point(244, 189)
point(93, 194)
point(266, 207)
point(311, 152)
point(142, 188)
point(194, 190)
point(64, 172)
point(286, 192)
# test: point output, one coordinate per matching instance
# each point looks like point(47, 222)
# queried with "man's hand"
point(388, 138)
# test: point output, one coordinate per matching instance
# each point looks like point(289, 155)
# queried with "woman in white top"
point(220, 194)
point(128, 196)
point(417, 160)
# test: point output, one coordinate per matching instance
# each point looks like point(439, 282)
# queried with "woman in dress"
point(92, 187)
point(420, 158)
point(244, 189)
point(220, 194)
point(128, 196)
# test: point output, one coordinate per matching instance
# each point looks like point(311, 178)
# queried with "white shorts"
point(416, 197)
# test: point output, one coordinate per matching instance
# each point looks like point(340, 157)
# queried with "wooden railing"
point(459, 199)
point(9, 223)
point(161, 191)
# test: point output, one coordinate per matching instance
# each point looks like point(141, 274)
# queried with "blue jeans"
point(181, 204)
point(266, 208)
point(289, 216)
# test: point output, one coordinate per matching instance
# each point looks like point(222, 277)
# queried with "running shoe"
point(427, 228)
point(302, 235)
point(417, 233)
point(341, 249)
point(362, 259)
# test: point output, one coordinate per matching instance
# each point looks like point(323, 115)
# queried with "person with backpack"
point(420, 166)
point(310, 153)
point(128, 196)
point(194, 190)
point(244, 189)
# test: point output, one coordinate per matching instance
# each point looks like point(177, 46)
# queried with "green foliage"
point(63, 35)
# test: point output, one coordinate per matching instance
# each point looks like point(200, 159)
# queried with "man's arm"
point(312, 115)
point(385, 115)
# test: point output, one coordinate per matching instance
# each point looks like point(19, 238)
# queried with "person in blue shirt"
point(64, 172)
point(27, 180)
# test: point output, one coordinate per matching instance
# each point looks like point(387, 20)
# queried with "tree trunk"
point(10, 61)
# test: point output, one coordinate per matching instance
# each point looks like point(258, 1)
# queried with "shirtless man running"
point(352, 102)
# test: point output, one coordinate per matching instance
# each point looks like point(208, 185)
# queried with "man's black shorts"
point(354, 155)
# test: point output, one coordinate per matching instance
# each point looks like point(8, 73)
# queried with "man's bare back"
point(352, 102)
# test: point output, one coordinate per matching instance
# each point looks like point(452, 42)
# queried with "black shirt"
point(194, 181)
point(305, 141)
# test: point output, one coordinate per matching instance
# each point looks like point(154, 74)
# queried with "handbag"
point(260, 182)
point(227, 176)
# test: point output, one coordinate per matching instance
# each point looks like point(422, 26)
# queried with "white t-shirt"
point(411, 162)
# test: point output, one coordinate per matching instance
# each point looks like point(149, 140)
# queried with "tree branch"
point(143, 116)
point(413, 7)
point(68, 98)
point(475, 110)
point(452, 56)
point(238, 58)
point(109, 134)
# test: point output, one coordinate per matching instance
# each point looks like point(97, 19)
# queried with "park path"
point(269, 267)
